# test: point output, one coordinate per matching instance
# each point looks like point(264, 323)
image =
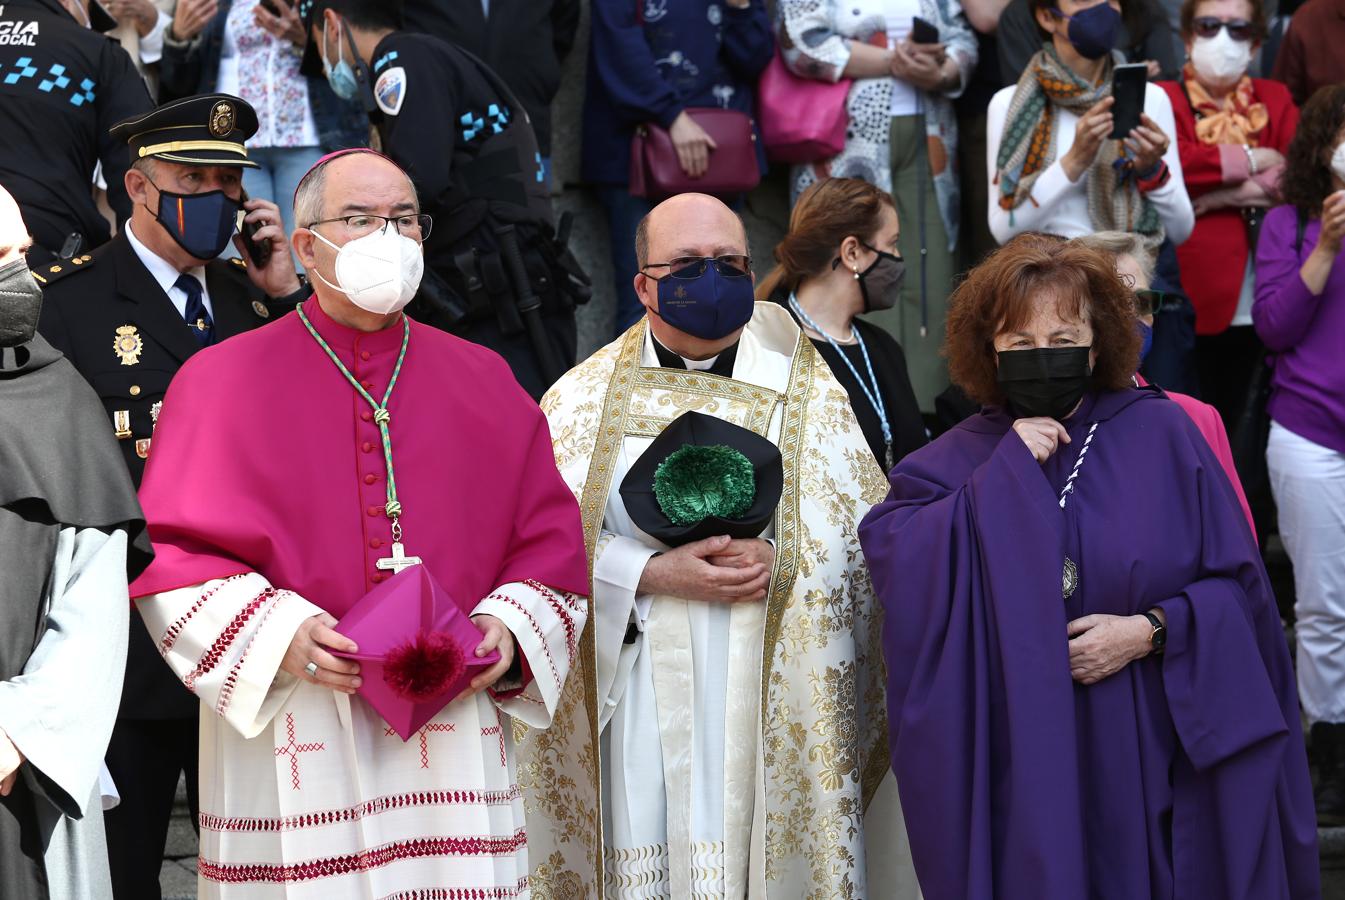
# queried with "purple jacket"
point(1306, 332)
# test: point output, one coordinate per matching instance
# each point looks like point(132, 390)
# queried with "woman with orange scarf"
point(1232, 133)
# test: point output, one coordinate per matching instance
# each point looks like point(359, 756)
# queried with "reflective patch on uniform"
point(18, 33)
point(390, 90)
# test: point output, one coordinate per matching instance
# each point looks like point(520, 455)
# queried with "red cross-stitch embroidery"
point(497, 729)
point(499, 893)
point(363, 860)
point(175, 630)
point(537, 630)
point(374, 807)
point(292, 750)
point(224, 641)
point(443, 727)
point(559, 608)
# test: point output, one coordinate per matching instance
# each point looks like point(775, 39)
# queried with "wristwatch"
point(1159, 638)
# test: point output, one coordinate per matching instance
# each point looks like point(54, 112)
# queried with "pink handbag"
point(655, 172)
point(802, 120)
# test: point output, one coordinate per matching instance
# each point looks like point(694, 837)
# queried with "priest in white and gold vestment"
point(725, 734)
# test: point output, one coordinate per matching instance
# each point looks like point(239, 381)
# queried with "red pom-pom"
point(423, 668)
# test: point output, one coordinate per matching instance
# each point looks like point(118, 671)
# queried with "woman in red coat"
point(1232, 132)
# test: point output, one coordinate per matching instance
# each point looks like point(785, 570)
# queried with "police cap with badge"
point(206, 130)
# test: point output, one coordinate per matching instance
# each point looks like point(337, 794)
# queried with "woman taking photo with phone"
point(1053, 164)
point(1232, 134)
point(907, 59)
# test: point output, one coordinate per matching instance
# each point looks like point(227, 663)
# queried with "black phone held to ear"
point(259, 252)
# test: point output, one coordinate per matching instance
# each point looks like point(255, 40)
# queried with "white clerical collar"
point(694, 365)
point(162, 271)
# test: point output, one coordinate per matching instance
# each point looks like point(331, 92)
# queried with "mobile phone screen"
point(922, 32)
point(1127, 86)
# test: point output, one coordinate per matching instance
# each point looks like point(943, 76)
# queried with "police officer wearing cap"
point(497, 271)
point(62, 86)
point(128, 316)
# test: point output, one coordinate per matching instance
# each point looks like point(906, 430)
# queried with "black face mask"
point(880, 283)
point(200, 223)
point(20, 304)
point(1048, 381)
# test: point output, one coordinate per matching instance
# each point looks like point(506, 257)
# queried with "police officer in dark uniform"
point(497, 271)
point(62, 86)
point(128, 315)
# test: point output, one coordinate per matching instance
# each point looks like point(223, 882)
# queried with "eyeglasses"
point(1238, 29)
point(730, 265)
point(1149, 302)
point(416, 227)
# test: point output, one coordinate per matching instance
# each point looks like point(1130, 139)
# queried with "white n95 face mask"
point(1220, 60)
point(379, 272)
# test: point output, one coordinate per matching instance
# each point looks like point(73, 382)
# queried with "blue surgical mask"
point(342, 75)
point(1092, 31)
point(200, 223)
point(1147, 336)
point(710, 306)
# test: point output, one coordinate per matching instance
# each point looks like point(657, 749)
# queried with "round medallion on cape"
point(1070, 581)
point(260, 309)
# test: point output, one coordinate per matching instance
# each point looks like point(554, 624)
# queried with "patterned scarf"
point(1239, 121)
point(1027, 149)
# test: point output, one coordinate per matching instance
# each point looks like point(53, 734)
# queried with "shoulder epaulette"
point(47, 274)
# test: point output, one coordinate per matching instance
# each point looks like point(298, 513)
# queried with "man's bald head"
point(675, 225)
point(695, 225)
point(14, 239)
point(344, 176)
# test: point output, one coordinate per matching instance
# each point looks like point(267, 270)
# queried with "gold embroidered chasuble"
point(823, 726)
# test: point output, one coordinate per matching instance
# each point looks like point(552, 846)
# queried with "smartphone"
point(269, 6)
point(258, 251)
point(1127, 87)
point(923, 32)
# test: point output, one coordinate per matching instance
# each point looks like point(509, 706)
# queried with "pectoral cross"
point(398, 560)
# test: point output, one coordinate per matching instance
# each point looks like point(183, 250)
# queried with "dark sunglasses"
point(1238, 29)
point(1149, 302)
point(731, 265)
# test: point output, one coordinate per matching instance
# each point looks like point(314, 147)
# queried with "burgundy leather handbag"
point(656, 173)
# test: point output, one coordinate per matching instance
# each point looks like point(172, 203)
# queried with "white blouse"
point(1061, 205)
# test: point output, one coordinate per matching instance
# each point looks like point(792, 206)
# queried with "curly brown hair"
point(1307, 172)
point(1002, 293)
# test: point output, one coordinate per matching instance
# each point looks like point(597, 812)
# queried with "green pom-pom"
point(694, 483)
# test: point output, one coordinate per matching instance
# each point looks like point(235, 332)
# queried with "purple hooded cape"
point(1181, 776)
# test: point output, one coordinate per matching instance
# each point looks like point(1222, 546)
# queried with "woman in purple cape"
point(1089, 687)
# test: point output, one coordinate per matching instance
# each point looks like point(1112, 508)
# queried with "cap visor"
point(208, 158)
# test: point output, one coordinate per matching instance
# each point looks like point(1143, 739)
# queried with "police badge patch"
point(128, 345)
point(390, 90)
point(221, 119)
